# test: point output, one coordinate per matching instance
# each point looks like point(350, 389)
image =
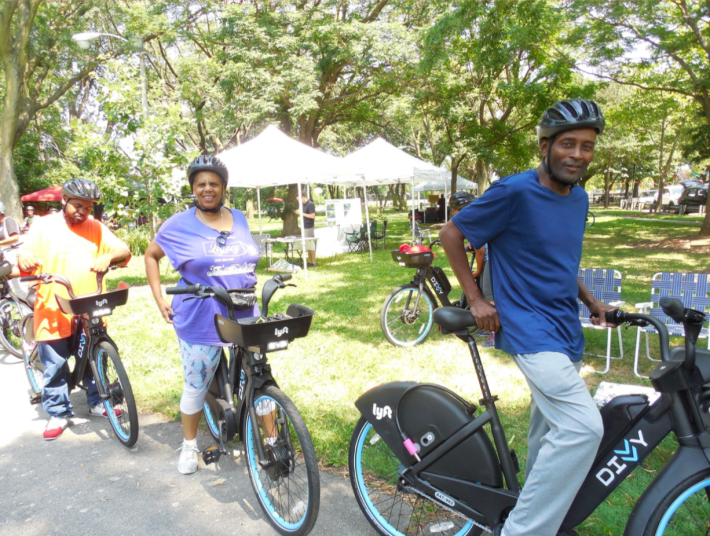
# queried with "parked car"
point(692, 199)
point(671, 195)
point(648, 197)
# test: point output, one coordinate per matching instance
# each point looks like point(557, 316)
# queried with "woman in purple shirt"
point(210, 245)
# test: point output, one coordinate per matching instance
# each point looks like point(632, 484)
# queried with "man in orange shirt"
point(75, 246)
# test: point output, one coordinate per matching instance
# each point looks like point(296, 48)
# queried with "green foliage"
point(137, 239)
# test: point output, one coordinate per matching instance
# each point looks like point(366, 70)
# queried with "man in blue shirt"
point(533, 223)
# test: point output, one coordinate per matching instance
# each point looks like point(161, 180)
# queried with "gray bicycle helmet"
point(81, 189)
point(206, 162)
point(2, 208)
point(29, 207)
point(570, 115)
point(460, 200)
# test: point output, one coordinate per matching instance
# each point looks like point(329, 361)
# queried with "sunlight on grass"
point(346, 354)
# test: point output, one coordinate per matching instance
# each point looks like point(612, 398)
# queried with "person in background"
point(9, 229)
point(210, 245)
point(75, 246)
point(31, 218)
point(309, 223)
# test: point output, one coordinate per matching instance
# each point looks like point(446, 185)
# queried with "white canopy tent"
point(445, 185)
point(382, 163)
point(274, 159)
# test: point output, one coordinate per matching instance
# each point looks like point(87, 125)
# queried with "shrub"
point(136, 239)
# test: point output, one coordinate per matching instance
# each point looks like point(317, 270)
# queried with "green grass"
point(346, 354)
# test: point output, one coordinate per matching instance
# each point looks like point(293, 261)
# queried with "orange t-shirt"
point(69, 251)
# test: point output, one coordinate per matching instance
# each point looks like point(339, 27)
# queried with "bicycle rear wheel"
point(288, 490)
point(10, 321)
point(404, 324)
point(120, 405)
point(390, 509)
point(33, 365)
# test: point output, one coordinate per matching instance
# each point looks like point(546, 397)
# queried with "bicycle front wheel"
point(390, 509)
point(407, 315)
point(288, 486)
point(685, 511)
point(120, 405)
point(10, 321)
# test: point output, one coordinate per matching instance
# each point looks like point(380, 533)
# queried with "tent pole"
point(303, 232)
point(367, 216)
point(446, 204)
point(413, 219)
point(258, 201)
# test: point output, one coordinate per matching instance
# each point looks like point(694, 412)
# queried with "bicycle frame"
point(633, 428)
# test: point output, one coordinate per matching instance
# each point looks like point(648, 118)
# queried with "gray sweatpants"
point(565, 431)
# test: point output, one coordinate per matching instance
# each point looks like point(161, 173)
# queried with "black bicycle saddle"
point(454, 319)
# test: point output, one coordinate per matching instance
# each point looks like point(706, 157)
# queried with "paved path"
point(87, 483)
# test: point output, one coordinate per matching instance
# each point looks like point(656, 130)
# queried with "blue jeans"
point(55, 395)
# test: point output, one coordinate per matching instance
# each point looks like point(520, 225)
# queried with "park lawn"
point(345, 353)
point(598, 210)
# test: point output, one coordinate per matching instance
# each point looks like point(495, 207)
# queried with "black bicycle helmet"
point(81, 189)
point(460, 200)
point(206, 162)
point(570, 115)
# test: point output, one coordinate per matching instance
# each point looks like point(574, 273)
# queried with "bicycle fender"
point(377, 406)
point(684, 463)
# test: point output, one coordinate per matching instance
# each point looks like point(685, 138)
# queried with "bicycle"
point(280, 457)
point(91, 345)
point(15, 305)
point(409, 323)
point(421, 461)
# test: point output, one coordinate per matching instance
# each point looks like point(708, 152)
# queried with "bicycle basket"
point(443, 280)
point(413, 260)
point(269, 336)
point(95, 305)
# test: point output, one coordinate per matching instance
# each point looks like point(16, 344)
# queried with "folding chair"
point(382, 238)
point(419, 235)
point(692, 289)
point(264, 247)
point(356, 240)
point(605, 285)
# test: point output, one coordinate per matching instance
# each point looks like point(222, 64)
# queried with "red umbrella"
point(275, 199)
point(48, 194)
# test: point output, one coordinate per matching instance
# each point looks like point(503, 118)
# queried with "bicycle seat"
point(5, 269)
point(454, 319)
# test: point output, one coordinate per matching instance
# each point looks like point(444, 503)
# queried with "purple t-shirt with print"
point(192, 248)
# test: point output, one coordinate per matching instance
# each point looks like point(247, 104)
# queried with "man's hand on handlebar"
point(486, 315)
point(597, 311)
point(27, 262)
point(101, 264)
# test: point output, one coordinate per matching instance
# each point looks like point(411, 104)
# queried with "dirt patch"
point(690, 244)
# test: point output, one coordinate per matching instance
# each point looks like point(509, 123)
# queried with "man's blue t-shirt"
point(534, 236)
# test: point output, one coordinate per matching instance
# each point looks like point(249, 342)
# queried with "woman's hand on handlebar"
point(486, 315)
point(165, 309)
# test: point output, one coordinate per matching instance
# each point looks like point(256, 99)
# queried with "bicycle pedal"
point(211, 455)
point(36, 399)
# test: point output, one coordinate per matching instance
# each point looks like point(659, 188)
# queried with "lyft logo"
point(381, 412)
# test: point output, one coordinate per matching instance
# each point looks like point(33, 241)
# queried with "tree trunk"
point(481, 176)
point(9, 117)
point(291, 219)
point(250, 209)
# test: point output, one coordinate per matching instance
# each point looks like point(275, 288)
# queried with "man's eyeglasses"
point(222, 238)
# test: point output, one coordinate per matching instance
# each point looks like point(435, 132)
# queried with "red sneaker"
point(100, 411)
point(55, 427)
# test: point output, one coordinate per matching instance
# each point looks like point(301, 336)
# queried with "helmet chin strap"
point(213, 210)
point(546, 164)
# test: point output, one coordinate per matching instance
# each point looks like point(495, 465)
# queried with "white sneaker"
point(188, 457)
point(55, 427)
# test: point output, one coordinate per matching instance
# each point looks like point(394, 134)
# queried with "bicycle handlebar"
point(692, 323)
point(45, 279)
point(190, 289)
